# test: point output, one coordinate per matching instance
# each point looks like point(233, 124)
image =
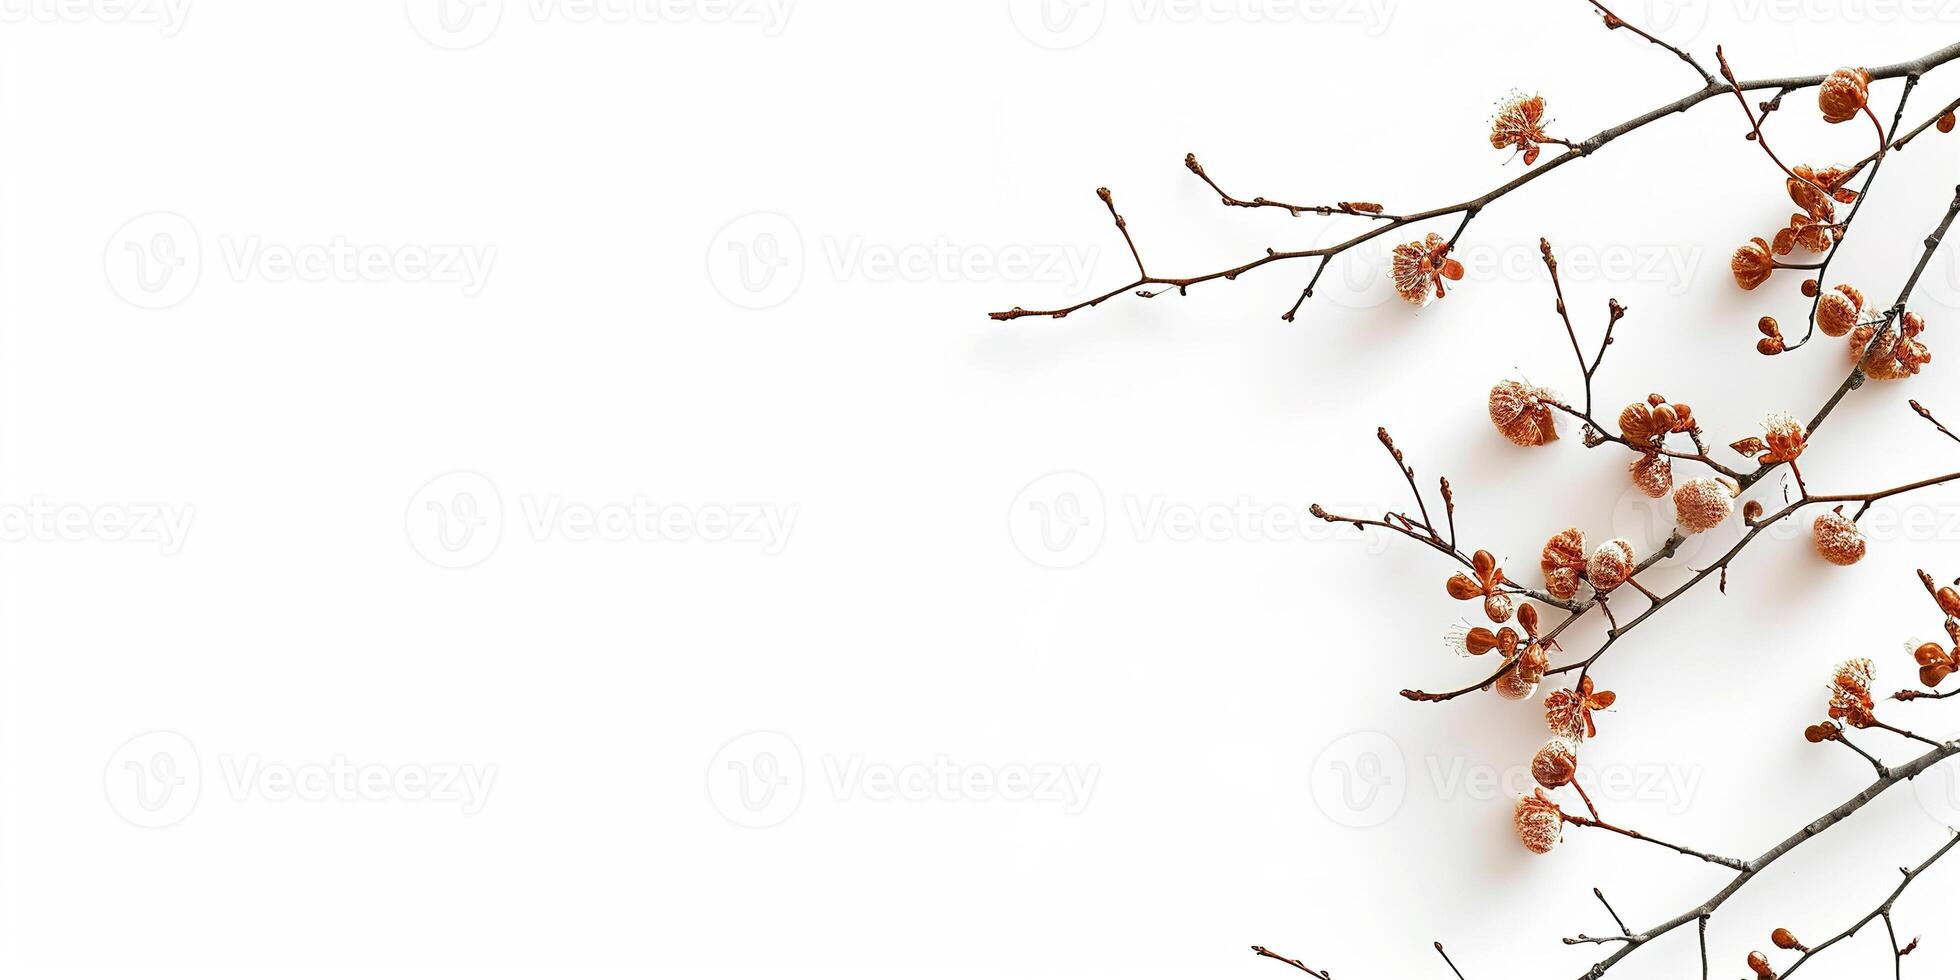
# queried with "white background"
point(1202, 688)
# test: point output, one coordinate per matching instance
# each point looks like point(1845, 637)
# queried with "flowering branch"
point(1467, 208)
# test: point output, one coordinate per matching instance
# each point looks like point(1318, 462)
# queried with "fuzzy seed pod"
point(1837, 310)
point(1851, 693)
point(1843, 94)
point(1556, 763)
point(1838, 538)
point(1562, 560)
point(1784, 436)
point(1521, 681)
point(1703, 504)
point(1752, 264)
point(1611, 565)
point(1539, 822)
point(1519, 411)
point(1653, 474)
point(1565, 714)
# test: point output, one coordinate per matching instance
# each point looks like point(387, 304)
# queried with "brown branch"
point(1884, 910)
point(1928, 416)
point(1614, 22)
point(1289, 961)
point(1877, 160)
point(1357, 208)
point(1810, 830)
point(1585, 148)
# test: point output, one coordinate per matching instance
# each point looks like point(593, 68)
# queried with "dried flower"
point(1521, 413)
point(1752, 264)
point(1653, 473)
point(1563, 561)
point(1527, 669)
point(1784, 436)
point(1488, 584)
point(1568, 712)
point(1539, 821)
point(1418, 268)
point(1520, 122)
point(1556, 763)
point(1843, 94)
point(1611, 565)
point(1837, 310)
point(1893, 353)
point(1838, 538)
point(1703, 504)
point(1851, 693)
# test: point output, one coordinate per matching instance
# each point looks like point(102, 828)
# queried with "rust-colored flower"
point(1520, 122)
point(1419, 268)
point(1611, 565)
point(1783, 437)
point(1703, 504)
point(1526, 670)
point(1653, 473)
point(1556, 762)
point(1476, 641)
point(1851, 693)
point(1752, 263)
point(1838, 309)
point(1521, 413)
point(1563, 561)
point(1568, 712)
point(1838, 538)
point(1488, 585)
point(1843, 94)
point(1935, 662)
point(1540, 823)
point(1893, 353)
